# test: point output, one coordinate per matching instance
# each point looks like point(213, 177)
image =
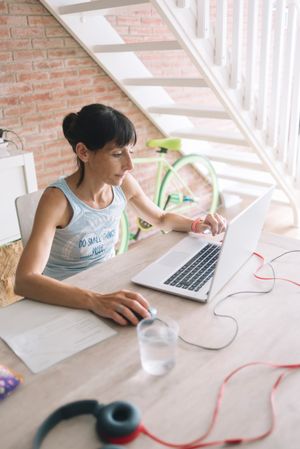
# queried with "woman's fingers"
point(216, 222)
point(123, 307)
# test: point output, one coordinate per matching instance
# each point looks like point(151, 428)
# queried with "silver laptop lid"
point(240, 240)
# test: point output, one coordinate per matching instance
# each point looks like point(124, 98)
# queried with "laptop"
point(196, 268)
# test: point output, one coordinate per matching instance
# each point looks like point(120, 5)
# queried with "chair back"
point(26, 206)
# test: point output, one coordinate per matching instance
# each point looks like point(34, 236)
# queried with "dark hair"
point(95, 125)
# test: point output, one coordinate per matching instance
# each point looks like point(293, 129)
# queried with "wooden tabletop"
point(178, 406)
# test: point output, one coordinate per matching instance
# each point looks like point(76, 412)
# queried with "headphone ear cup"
point(118, 422)
point(112, 446)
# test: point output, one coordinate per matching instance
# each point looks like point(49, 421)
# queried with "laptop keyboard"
point(198, 270)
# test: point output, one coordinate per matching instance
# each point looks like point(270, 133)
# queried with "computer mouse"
point(151, 310)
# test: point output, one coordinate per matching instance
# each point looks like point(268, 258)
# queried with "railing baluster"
point(221, 32)
point(297, 178)
point(286, 83)
point(237, 43)
point(265, 62)
point(183, 3)
point(277, 70)
point(293, 156)
point(251, 63)
point(203, 18)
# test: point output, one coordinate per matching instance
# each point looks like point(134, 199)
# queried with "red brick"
point(52, 123)
point(48, 86)
point(65, 74)
point(129, 21)
point(52, 106)
point(71, 43)
point(51, 147)
point(153, 21)
point(4, 33)
point(91, 71)
point(76, 103)
point(16, 89)
point(5, 56)
point(56, 31)
point(93, 90)
point(3, 7)
point(78, 82)
point(32, 55)
point(27, 32)
point(47, 136)
point(14, 67)
point(10, 122)
point(66, 53)
point(48, 65)
point(48, 43)
point(19, 110)
point(9, 101)
point(37, 117)
point(7, 78)
point(26, 9)
point(33, 76)
point(42, 21)
point(25, 99)
point(78, 62)
point(13, 20)
point(15, 44)
point(25, 131)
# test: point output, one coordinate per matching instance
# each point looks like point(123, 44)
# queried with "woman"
point(77, 219)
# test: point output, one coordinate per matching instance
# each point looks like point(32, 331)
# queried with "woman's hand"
point(215, 223)
point(120, 306)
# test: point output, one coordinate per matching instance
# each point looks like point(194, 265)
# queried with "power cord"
point(2, 131)
point(232, 318)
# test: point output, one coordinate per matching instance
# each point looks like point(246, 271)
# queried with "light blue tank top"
point(88, 239)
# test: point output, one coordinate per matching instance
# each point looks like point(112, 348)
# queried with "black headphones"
point(117, 423)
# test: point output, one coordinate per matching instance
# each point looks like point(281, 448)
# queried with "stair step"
point(214, 136)
point(229, 156)
point(243, 175)
point(190, 111)
point(174, 82)
point(249, 190)
point(137, 46)
point(97, 5)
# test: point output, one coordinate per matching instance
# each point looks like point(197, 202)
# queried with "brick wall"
point(44, 75)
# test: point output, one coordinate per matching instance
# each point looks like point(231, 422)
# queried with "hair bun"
point(69, 126)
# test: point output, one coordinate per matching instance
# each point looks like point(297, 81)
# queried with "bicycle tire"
point(210, 203)
point(123, 242)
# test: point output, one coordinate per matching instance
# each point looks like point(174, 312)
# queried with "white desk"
point(177, 407)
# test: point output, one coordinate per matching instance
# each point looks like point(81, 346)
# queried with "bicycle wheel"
point(123, 242)
point(190, 187)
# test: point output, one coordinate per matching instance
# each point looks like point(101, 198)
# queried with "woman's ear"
point(82, 152)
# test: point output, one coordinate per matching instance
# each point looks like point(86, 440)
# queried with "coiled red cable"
point(199, 442)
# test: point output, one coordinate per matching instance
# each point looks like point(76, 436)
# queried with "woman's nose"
point(128, 162)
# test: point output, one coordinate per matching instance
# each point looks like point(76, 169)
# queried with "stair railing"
point(253, 46)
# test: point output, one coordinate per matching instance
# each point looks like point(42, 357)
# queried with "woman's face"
point(110, 164)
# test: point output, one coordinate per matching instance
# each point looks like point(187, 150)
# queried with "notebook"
point(196, 268)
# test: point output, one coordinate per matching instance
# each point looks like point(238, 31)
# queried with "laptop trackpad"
point(174, 259)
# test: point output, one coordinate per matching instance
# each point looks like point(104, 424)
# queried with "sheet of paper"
point(42, 335)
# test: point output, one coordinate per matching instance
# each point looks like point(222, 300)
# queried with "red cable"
point(270, 279)
point(199, 443)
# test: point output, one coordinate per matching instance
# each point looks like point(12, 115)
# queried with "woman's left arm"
point(168, 221)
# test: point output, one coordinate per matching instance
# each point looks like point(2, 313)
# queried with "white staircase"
point(243, 52)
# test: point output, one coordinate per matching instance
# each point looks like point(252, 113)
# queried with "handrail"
point(249, 80)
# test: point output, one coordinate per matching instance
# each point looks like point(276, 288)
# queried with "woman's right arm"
point(53, 211)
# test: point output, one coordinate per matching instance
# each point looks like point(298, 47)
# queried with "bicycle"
point(172, 189)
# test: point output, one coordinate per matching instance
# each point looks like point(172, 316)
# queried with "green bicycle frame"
point(161, 162)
